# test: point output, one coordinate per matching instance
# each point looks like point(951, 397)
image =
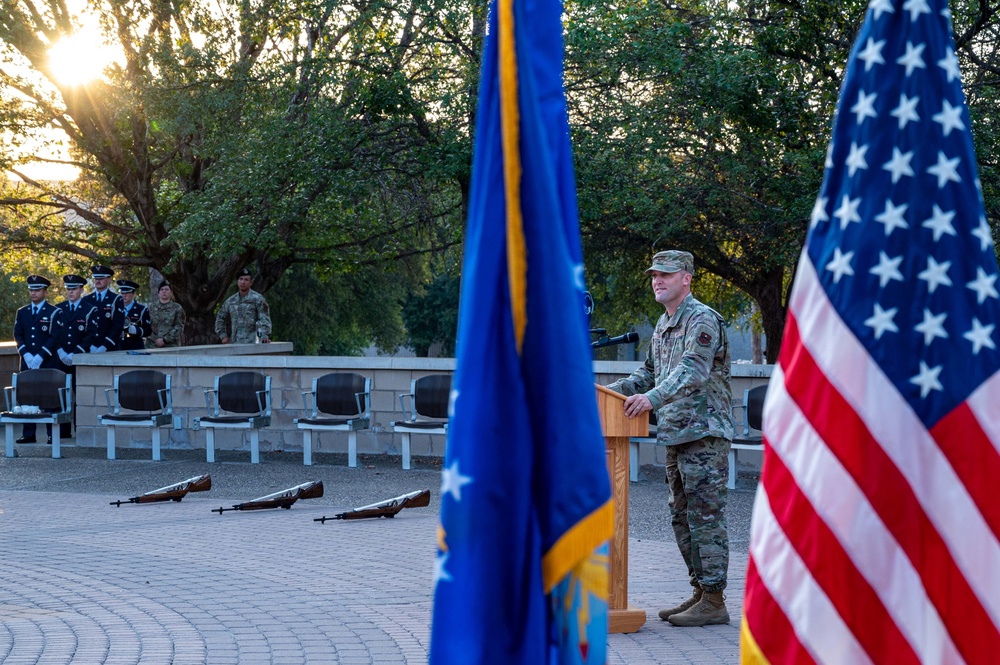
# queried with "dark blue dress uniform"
point(75, 327)
point(33, 327)
point(110, 315)
point(136, 318)
point(75, 332)
point(32, 333)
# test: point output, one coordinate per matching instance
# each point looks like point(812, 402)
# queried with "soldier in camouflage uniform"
point(166, 319)
point(686, 381)
point(244, 315)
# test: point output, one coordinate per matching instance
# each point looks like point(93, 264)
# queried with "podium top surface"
point(614, 422)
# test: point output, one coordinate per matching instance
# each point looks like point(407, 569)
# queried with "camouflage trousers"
point(696, 474)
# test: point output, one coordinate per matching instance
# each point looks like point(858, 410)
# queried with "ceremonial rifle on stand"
point(174, 492)
point(387, 508)
point(283, 499)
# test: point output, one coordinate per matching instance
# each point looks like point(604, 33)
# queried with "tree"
point(265, 134)
point(431, 315)
point(704, 126)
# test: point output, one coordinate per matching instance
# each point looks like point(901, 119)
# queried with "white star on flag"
point(916, 8)
point(949, 64)
point(940, 223)
point(887, 269)
point(892, 216)
point(881, 320)
point(932, 326)
point(440, 572)
point(856, 160)
point(980, 336)
point(949, 118)
point(452, 481)
point(936, 274)
point(913, 58)
point(906, 111)
point(983, 233)
point(927, 379)
point(865, 106)
point(983, 285)
point(946, 169)
point(840, 265)
point(872, 53)
point(848, 211)
point(818, 212)
point(879, 6)
point(899, 165)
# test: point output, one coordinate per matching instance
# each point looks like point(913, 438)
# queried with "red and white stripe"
point(891, 524)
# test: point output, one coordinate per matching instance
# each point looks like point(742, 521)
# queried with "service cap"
point(101, 271)
point(127, 286)
point(672, 260)
point(73, 281)
point(38, 282)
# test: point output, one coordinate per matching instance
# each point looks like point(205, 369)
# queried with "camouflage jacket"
point(167, 321)
point(686, 375)
point(238, 318)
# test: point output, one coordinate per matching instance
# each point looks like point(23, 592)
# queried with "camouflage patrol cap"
point(672, 260)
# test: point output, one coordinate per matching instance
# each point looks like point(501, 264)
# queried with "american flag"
point(875, 527)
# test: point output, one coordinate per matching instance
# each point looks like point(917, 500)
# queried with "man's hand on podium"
point(636, 405)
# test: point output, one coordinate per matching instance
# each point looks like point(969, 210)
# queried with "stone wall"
point(193, 370)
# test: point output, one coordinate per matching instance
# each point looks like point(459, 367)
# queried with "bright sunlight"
point(79, 58)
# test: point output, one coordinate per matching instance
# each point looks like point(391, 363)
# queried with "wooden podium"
point(617, 428)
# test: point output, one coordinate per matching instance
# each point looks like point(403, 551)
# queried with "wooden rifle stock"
point(283, 499)
point(174, 492)
point(387, 508)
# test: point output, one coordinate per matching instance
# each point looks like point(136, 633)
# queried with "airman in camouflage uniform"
point(686, 381)
point(166, 319)
point(244, 315)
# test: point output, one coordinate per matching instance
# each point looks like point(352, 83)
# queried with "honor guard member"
point(111, 317)
point(75, 326)
point(167, 317)
point(245, 315)
point(32, 332)
point(137, 324)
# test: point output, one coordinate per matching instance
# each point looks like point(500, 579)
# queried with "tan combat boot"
point(709, 611)
point(690, 602)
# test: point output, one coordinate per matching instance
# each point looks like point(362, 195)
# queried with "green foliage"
point(704, 125)
point(13, 295)
point(431, 315)
point(336, 314)
point(237, 135)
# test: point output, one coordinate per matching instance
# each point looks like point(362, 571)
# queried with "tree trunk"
point(756, 349)
point(200, 329)
point(772, 311)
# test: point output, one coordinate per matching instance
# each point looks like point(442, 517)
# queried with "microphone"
point(627, 338)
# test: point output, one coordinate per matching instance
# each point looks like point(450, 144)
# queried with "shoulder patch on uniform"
point(704, 339)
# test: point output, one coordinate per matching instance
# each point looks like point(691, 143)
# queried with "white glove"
point(68, 359)
point(132, 330)
point(36, 361)
point(93, 349)
point(63, 356)
point(101, 349)
point(32, 361)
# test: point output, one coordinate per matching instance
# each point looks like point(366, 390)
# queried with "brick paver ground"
point(84, 582)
